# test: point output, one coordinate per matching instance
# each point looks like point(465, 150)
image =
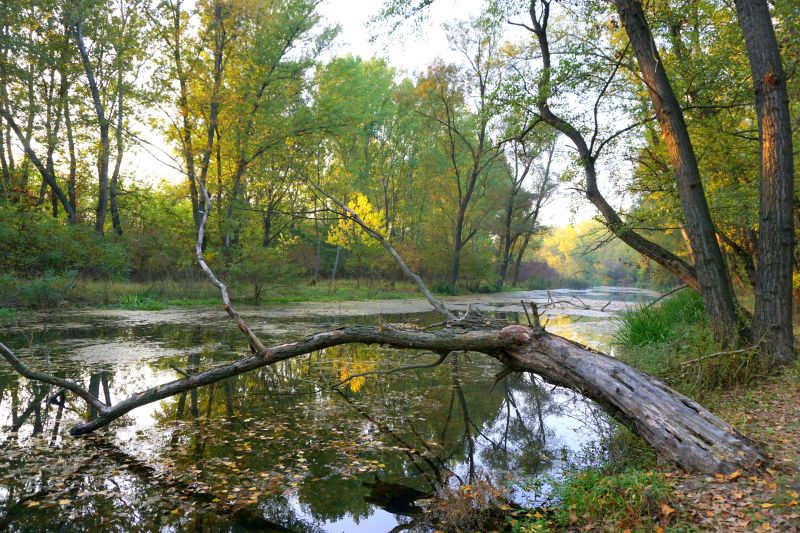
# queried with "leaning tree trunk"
point(678, 428)
point(716, 289)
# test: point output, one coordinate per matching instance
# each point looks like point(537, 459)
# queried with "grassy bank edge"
point(636, 491)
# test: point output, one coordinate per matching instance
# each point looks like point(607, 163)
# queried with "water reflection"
point(277, 449)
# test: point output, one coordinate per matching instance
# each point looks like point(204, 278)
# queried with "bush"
point(35, 244)
point(263, 268)
point(46, 291)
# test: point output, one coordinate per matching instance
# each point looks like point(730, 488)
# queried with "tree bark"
point(51, 180)
point(713, 278)
point(115, 220)
point(772, 321)
point(72, 179)
point(518, 261)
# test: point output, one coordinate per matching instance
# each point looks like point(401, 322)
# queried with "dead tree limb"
point(416, 278)
point(676, 426)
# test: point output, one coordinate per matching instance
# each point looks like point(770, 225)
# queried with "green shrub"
point(262, 268)
point(45, 291)
point(632, 499)
point(33, 244)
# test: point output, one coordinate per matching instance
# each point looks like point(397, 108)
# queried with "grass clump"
point(673, 341)
point(653, 324)
point(146, 300)
point(633, 499)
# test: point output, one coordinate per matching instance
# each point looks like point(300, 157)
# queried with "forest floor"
point(655, 496)
point(769, 412)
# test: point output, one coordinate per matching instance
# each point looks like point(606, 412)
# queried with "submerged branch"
point(43, 377)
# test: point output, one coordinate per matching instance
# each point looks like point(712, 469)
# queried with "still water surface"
point(278, 449)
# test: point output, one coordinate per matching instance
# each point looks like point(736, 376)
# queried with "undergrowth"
point(672, 340)
point(633, 500)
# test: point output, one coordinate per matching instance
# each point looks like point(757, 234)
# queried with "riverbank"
point(70, 292)
point(635, 491)
point(67, 292)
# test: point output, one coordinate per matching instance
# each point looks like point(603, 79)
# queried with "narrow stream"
point(278, 449)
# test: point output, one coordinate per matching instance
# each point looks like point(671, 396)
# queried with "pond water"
point(278, 449)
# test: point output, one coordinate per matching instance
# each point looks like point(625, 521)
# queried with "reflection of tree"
point(419, 426)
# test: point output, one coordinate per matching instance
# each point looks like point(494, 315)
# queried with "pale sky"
point(410, 50)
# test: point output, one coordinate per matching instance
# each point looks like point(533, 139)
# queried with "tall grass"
point(653, 324)
point(47, 292)
point(673, 341)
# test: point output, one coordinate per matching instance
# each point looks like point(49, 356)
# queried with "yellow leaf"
point(666, 510)
point(794, 494)
point(64, 502)
point(767, 505)
point(734, 475)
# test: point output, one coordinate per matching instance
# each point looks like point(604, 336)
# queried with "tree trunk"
point(335, 264)
point(115, 221)
point(72, 179)
point(712, 273)
point(183, 108)
point(6, 177)
point(772, 321)
point(103, 155)
point(267, 229)
point(458, 245)
point(588, 156)
point(505, 257)
point(51, 180)
point(518, 261)
point(231, 223)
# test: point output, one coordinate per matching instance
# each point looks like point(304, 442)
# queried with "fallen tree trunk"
point(677, 427)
